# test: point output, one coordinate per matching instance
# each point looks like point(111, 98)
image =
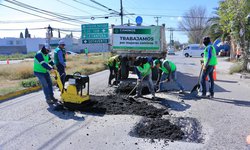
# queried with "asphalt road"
point(27, 122)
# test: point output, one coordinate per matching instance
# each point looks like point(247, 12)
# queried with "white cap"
point(47, 46)
point(61, 42)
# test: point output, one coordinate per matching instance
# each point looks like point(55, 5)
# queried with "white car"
point(193, 50)
point(71, 53)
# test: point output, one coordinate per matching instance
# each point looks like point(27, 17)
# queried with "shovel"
point(196, 88)
point(128, 96)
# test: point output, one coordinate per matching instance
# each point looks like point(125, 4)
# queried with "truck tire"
point(124, 69)
point(186, 55)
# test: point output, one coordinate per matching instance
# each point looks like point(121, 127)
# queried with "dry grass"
point(13, 74)
point(23, 70)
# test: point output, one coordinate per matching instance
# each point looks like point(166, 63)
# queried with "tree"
point(21, 35)
point(59, 34)
point(233, 21)
point(27, 33)
point(215, 29)
point(195, 24)
point(177, 45)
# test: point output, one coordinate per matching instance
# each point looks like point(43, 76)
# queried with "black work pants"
point(113, 74)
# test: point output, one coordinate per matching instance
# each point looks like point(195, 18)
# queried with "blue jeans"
point(209, 72)
point(150, 85)
point(45, 81)
point(173, 76)
point(61, 70)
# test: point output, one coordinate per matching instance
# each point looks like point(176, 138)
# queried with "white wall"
point(12, 42)
point(33, 44)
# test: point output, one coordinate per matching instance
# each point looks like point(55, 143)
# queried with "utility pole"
point(171, 37)
point(121, 13)
point(157, 20)
point(49, 34)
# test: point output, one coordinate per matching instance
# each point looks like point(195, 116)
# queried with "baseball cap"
point(61, 42)
point(156, 62)
point(47, 46)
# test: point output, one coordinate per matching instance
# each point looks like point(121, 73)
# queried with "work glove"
point(52, 71)
point(54, 67)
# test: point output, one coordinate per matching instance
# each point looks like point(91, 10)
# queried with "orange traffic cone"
point(8, 61)
point(214, 74)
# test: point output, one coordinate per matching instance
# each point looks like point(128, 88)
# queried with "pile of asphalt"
point(116, 104)
point(152, 126)
point(157, 129)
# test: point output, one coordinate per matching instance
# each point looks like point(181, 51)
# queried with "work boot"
point(49, 101)
point(181, 92)
point(211, 96)
point(203, 96)
point(53, 99)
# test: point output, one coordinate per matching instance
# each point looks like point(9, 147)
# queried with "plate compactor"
point(73, 95)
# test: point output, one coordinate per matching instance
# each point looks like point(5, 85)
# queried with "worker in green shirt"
point(167, 72)
point(114, 65)
point(143, 70)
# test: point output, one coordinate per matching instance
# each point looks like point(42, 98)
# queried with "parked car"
point(193, 50)
point(71, 53)
point(171, 51)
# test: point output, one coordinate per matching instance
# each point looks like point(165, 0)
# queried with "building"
point(12, 45)
point(26, 45)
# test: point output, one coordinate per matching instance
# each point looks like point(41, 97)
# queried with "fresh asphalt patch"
point(153, 126)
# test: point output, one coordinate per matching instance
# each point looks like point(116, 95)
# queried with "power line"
point(90, 6)
point(37, 15)
point(22, 29)
point(46, 20)
point(174, 16)
point(104, 6)
point(73, 7)
point(183, 30)
point(35, 9)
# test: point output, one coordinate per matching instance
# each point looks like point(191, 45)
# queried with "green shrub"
point(32, 82)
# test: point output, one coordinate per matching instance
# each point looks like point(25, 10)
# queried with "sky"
point(170, 12)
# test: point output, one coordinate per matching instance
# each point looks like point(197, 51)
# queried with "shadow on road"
point(234, 102)
point(188, 82)
point(227, 81)
point(65, 114)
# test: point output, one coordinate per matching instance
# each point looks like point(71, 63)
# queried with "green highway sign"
point(95, 33)
point(95, 36)
point(91, 41)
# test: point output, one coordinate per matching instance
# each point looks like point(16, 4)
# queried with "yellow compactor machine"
point(72, 91)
